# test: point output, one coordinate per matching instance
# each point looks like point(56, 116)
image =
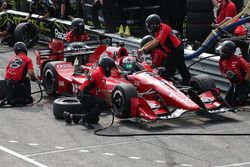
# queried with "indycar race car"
point(142, 94)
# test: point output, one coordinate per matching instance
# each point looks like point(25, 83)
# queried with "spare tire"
point(69, 104)
point(200, 17)
point(202, 83)
point(198, 32)
point(26, 33)
point(121, 96)
point(199, 5)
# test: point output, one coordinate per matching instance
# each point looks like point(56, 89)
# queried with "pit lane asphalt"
point(30, 136)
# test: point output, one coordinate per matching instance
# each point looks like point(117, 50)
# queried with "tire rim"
point(118, 100)
point(70, 101)
point(26, 37)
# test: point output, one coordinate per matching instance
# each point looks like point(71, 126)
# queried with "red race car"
point(142, 94)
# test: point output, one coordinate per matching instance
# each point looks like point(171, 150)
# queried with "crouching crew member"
point(169, 43)
point(237, 71)
point(43, 8)
point(17, 69)
point(94, 94)
point(159, 58)
point(77, 32)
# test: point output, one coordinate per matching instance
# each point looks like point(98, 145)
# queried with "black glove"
point(232, 77)
point(34, 79)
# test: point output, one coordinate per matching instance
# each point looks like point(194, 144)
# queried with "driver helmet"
point(228, 49)
point(145, 40)
point(128, 63)
point(107, 64)
point(153, 23)
point(77, 24)
point(20, 47)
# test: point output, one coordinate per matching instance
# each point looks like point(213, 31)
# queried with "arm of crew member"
point(215, 3)
point(247, 76)
point(28, 17)
point(4, 33)
point(45, 16)
point(3, 6)
point(32, 74)
point(62, 10)
point(149, 46)
point(107, 95)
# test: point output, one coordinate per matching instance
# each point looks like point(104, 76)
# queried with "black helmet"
point(78, 25)
point(145, 40)
point(20, 47)
point(107, 64)
point(3, 19)
point(153, 23)
point(228, 48)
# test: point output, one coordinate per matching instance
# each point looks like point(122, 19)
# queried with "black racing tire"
point(26, 33)
point(199, 5)
point(121, 96)
point(49, 77)
point(4, 89)
point(202, 83)
point(69, 104)
point(198, 32)
point(200, 17)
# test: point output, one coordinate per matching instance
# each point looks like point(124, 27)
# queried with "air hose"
point(215, 36)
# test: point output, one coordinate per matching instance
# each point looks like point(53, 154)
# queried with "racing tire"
point(200, 17)
point(121, 96)
point(26, 33)
point(199, 5)
point(50, 81)
point(4, 89)
point(202, 83)
point(69, 104)
point(198, 32)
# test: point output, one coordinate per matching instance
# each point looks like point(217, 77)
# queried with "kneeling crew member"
point(17, 69)
point(237, 71)
point(90, 92)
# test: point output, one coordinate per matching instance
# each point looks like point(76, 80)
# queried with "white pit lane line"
point(4, 149)
point(236, 164)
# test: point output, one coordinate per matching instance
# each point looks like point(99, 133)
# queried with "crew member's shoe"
point(67, 117)
point(86, 123)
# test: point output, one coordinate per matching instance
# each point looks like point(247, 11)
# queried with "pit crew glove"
point(232, 77)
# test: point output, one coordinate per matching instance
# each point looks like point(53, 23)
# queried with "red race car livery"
point(143, 94)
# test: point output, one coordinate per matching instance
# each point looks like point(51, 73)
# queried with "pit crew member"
point(7, 29)
point(18, 67)
point(159, 59)
point(227, 10)
point(237, 71)
point(169, 43)
point(90, 94)
point(77, 32)
point(44, 8)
